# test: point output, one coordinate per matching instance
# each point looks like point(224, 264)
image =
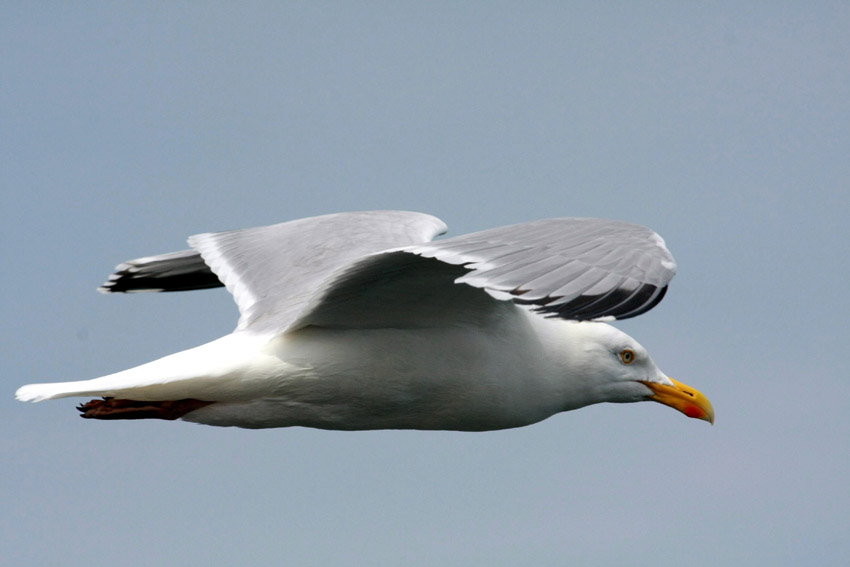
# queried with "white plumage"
point(359, 321)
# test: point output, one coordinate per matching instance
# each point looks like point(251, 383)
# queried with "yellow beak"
point(682, 397)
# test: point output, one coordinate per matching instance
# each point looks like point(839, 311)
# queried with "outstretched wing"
point(573, 268)
point(579, 269)
point(380, 269)
point(273, 271)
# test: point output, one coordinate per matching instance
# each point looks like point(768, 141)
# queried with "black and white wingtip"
point(617, 304)
point(126, 279)
point(177, 271)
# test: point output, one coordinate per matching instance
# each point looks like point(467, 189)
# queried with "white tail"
point(199, 373)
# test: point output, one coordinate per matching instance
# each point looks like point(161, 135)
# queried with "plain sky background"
point(126, 127)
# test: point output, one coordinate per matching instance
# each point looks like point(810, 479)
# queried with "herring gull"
point(361, 321)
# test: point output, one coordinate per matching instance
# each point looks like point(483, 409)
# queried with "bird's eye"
point(627, 355)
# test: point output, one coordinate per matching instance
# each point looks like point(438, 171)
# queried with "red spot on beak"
point(693, 411)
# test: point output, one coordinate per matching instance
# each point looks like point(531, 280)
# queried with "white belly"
point(445, 378)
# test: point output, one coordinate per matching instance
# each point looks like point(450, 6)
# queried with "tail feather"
point(41, 392)
point(149, 381)
point(142, 390)
point(214, 371)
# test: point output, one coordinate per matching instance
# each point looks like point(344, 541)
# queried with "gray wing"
point(572, 268)
point(396, 289)
point(581, 269)
point(273, 271)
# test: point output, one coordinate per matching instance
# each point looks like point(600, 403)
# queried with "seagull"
point(360, 320)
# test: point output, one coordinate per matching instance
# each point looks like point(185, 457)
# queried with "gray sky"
point(726, 129)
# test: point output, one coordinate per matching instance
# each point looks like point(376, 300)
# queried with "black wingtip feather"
point(177, 271)
point(124, 282)
point(618, 303)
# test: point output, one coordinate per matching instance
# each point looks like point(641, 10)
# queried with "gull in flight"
point(362, 321)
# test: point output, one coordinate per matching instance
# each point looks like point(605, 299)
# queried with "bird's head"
point(623, 371)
